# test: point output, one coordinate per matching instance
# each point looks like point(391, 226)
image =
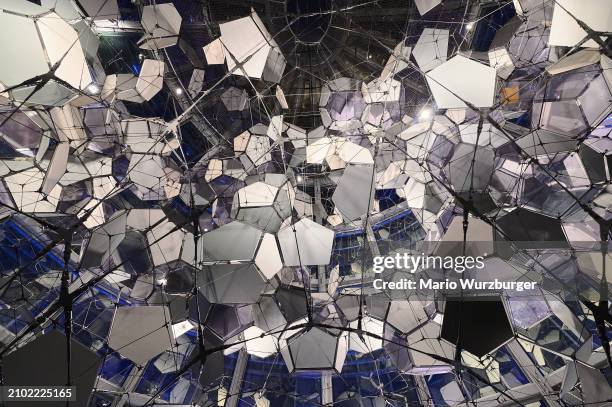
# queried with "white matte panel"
point(461, 77)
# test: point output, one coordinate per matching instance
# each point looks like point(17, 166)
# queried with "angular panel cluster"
point(190, 216)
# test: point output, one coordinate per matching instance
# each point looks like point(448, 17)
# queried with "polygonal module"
point(383, 109)
point(248, 226)
point(24, 188)
point(46, 40)
point(47, 354)
point(292, 303)
point(595, 153)
point(254, 147)
point(500, 59)
point(397, 62)
point(268, 259)
point(424, 6)
point(543, 141)
point(466, 320)
point(337, 152)
point(478, 241)
point(565, 29)
point(431, 48)
point(214, 52)
point(267, 314)
point(571, 110)
point(57, 167)
point(305, 243)
point(470, 167)
point(595, 387)
point(341, 104)
point(152, 178)
point(523, 225)
point(104, 240)
point(197, 193)
point(232, 283)
point(151, 78)
point(162, 24)
point(313, 349)
point(280, 96)
point(257, 342)
point(406, 316)
point(462, 79)
point(196, 82)
point(429, 351)
point(139, 89)
point(369, 342)
point(258, 345)
point(263, 205)
point(108, 10)
point(219, 244)
point(250, 50)
point(527, 44)
point(144, 135)
point(169, 362)
point(379, 90)
point(234, 99)
point(208, 371)
point(355, 192)
point(164, 238)
point(140, 333)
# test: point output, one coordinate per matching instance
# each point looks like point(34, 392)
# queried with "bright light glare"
point(426, 113)
point(93, 89)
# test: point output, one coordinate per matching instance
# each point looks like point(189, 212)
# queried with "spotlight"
point(93, 89)
point(299, 178)
point(469, 26)
point(178, 91)
point(426, 113)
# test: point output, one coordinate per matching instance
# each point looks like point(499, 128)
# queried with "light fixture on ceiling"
point(93, 89)
point(426, 113)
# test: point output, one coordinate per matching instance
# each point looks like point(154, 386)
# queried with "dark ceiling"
point(326, 39)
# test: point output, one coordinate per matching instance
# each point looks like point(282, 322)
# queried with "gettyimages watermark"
point(481, 269)
point(412, 263)
point(459, 264)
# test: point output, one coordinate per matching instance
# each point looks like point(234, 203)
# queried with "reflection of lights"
point(93, 89)
point(469, 26)
point(426, 113)
point(162, 281)
point(178, 91)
